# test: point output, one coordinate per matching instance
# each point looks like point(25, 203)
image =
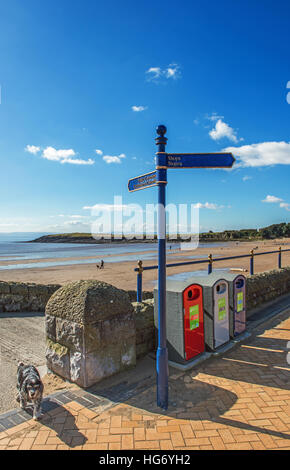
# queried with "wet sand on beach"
point(122, 274)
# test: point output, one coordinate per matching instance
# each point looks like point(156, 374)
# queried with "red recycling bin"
point(193, 321)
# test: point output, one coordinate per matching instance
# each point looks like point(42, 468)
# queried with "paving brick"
point(26, 443)
point(177, 439)
point(166, 444)
point(226, 436)
point(110, 438)
point(96, 446)
point(217, 443)
point(207, 433)
point(147, 445)
point(170, 428)
point(127, 442)
point(186, 430)
point(197, 441)
point(283, 443)
point(239, 446)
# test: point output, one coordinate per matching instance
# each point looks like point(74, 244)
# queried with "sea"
point(14, 247)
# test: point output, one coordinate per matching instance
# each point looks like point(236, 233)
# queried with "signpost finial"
point(161, 129)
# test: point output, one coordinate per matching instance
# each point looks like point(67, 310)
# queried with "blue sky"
point(84, 85)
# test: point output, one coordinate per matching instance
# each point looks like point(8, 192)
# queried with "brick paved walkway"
point(240, 400)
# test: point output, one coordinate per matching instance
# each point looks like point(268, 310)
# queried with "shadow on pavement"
point(59, 419)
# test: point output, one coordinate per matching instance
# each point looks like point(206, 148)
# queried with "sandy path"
point(17, 332)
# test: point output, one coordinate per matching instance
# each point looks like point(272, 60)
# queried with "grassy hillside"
point(266, 233)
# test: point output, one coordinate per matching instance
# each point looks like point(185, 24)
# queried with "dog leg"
point(23, 403)
point(36, 410)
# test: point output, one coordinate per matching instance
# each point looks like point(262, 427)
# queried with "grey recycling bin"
point(184, 320)
point(215, 308)
point(237, 302)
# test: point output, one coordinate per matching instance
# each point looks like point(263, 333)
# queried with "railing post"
point(252, 263)
point(280, 258)
point(139, 281)
point(210, 261)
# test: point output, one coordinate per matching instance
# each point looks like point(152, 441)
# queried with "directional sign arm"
point(142, 182)
point(200, 160)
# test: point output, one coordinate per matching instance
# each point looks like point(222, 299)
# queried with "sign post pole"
point(162, 354)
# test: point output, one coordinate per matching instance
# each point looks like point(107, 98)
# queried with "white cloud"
point(138, 109)
point(78, 161)
point(214, 117)
point(223, 130)
point(32, 149)
point(64, 156)
point(50, 153)
point(285, 205)
point(171, 71)
point(99, 152)
point(276, 200)
point(70, 216)
point(262, 154)
point(208, 205)
point(113, 159)
point(75, 222)
point(272, 199)
point(108, 207)
point(246, 178)
point(155, 71)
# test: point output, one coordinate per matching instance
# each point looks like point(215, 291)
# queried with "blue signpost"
point(158, 178)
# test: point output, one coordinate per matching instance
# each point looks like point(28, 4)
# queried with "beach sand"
point(122, 274)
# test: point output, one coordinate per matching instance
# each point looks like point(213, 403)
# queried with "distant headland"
point(274, 231)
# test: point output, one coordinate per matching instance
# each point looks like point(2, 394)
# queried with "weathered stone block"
point(78, 368)
point(99, 366)
point(69, 333)
point(58, 359)
point(95, 322)
point(50, 327)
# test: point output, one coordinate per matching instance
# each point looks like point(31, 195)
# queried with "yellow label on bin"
point(221, 309)
point(240, 301)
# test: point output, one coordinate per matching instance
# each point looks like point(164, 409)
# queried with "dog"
point(30, 388)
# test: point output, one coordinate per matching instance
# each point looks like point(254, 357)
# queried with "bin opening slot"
point(240, 283)
point(221, 288)
point(193, 293)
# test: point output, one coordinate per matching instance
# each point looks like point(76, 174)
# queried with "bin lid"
point(231, 277)
point(209, 280)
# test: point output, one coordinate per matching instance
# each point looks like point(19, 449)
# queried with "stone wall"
point(20, 297)
point(144, 320)
point(267, 286)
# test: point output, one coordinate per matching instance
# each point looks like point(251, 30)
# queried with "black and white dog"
point(30, 388)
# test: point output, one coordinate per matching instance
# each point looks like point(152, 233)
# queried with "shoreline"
point(122, 274)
